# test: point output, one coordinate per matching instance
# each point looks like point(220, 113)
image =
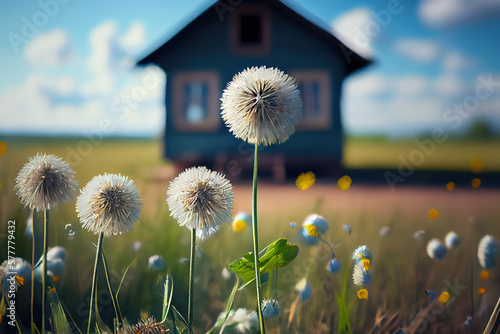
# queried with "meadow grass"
point(400, 274)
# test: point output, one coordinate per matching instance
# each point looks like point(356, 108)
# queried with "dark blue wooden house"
point(223, 40)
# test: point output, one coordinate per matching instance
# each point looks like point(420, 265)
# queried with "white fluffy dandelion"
point(270, 308)
point(109, 204)
point(200, 199)
point(360, 276)
point(436, 250)
point(261, 105)
point(487, 252)
point(45, 181)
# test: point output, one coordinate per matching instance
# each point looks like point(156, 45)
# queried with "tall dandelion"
point(201, 200)
point(108, 205)
point(42, 183)
point(261, 106)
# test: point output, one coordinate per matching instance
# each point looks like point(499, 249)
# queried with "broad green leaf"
point(276, 255)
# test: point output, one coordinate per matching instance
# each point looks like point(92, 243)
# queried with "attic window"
point(314, 88)
point(196, 101)
point(250, 31)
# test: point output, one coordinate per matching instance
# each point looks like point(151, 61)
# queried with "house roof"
point(353, 60)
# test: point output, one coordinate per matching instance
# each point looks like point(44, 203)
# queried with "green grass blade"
point(167, 297)
point(230, 303)
point(60, 323)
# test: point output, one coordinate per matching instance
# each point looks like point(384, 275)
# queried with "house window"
point(195, 101)
point(250, 31)
point(314, 87)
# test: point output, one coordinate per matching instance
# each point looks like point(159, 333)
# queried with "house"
point(223, 40)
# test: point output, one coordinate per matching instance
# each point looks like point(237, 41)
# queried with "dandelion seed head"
point(56, 253)
point(487, 252)
point(109, 204)
point(149, 326)
point(201, 199)
point(304, 288)
point(317, 221)
point(360, 276)
point(451, 240)
point(244, 321)
point(436, 250)
point(45, 181)
point(385, 231)
point(360, 253)
point(15, 267)
point(261, 106)
point(157, 263)
point(270, 308)
point(334, 266)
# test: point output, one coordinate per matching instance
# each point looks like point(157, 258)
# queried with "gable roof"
point(353, 60)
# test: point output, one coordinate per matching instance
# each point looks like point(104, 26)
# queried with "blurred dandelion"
point(318, 221)
point(360, 253)
point(450, 186)
point(347, 228)
point(452, 240)
point(292, 224)
point(487, 252)
point(200, 200)
point(481, 291)
point(304, 288)
point(360, 276)
point(261, 106)
point(384, 231)
point(475, 183)
point(476, 165)
point(305, 180)
point(241, 321)
point(344, 183)
point(241, 220)
point(435, 249)
point(484, 274)
point(56, 253)
point(270, 308)
point(444, 297)
point(433, 213)
point(334, 266)
point(157, 263)
point(225, 273)
point(137, 246)
point(149, 326)
point(362, 294)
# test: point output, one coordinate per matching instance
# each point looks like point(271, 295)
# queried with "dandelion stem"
point(329, 245)
point(113, 299)
point(256, 241)
point(32, 273)
point(191, 279)
point(94, 278)
point(44, 263)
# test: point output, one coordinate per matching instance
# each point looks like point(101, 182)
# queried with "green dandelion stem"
point(94, 278)
point(116, 307)
point(256, 241)
point(191, 279)
point(32, 273)
point(44, 263)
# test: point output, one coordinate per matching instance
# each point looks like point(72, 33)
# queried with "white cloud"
point(51, 49)
point(449, 85)
point(352, 29)
point(455, 61)
point(365, 84)
point(112, 53)
point(410, 85)
point(443, 13)
point(423, 51)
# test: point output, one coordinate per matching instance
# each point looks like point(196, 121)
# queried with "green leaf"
point(276, 255)
point(59, 321)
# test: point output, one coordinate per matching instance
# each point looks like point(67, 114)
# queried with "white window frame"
point(324, 121)
point(180, 80)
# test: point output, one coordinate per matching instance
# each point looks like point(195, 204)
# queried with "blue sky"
point(66, 66)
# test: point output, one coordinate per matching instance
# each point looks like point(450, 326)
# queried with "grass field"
point(401, 271)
